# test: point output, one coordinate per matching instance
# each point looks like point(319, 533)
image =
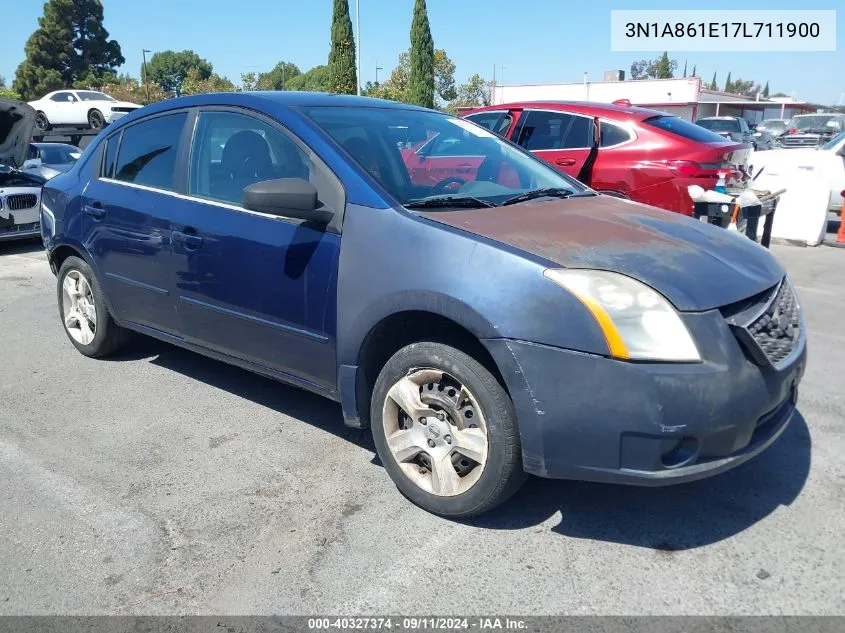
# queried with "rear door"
point(128, 212)
point(258, 287)
point(496, 121)
point(562, 139)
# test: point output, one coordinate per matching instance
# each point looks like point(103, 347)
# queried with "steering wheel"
point(441, 186)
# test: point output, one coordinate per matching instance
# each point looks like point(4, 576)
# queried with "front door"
point(559, 138)
point(128, 211)
point(251, 285)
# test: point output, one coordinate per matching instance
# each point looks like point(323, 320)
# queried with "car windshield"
point(685, 129)
point(59, 154)
point(772, 126)
point(720, 125)
point(90, 95)
point(427, 159)
point(818, 124)
point(834, 142)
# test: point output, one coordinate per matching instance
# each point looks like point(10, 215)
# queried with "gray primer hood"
point(17, 120)
point(694, 265)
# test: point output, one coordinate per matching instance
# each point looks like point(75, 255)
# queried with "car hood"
point(695, 265)
point(17, 120)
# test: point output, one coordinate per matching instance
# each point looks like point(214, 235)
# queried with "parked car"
point(645, 155)
point(50, 159)
point(827, 161)
point(736, 128)
point(522, 323)
point(81, 108)
point(812, 130)
point(775, 127)
point(20, 192)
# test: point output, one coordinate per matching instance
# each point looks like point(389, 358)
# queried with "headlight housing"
point(638, 323)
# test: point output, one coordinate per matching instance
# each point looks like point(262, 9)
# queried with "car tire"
point(42, 123)
point(83, 311)
point(481, 409)
point(96, 120)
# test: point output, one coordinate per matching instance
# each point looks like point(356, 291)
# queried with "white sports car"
point(20, 193)
point(83, 108)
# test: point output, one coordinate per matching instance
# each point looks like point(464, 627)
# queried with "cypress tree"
point(421, 82)
point(685, 68)
point(70, 46)
point(713, 84)
point(693, 71)
point(766, 91)
point(728, 84)
point(343, 78)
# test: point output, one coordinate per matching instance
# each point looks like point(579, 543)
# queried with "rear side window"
point(612, 134)
point(148, 151)
point(496, 122)
point(685, 129)
point(110, 156)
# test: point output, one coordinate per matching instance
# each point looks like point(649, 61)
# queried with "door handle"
point(565, 162)
point(95, 210)
point(188, 238)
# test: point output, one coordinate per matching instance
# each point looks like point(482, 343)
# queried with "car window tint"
point(232, 151)
point(580, 134)
point(685, 129)
point(541, 130)
point(497, 122)
point(62, 96)
point(110, 156)
point(32, 152)
point(148, 151)
point(613, 134)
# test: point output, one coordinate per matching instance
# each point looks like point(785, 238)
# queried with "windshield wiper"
point(465, 202)
point(550, 192)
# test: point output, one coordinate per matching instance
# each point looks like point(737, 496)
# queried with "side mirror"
point(288, 197)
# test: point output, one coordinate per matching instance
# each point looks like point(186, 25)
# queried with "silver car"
point(20, 192)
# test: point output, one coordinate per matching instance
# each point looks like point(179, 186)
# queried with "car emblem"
point(433, 430)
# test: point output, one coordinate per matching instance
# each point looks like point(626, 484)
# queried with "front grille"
point(19, 201)
point(767, 325)
point(800, 142)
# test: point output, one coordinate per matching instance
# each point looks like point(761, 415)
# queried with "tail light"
point(692, 169)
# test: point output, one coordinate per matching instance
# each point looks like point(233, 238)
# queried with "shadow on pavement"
point(20, 247)
point(671, 518)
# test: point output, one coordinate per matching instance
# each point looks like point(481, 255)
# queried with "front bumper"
point(592, 418)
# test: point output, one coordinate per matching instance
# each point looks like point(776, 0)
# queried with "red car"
point(645, 155)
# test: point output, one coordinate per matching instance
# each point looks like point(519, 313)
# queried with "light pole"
point(144, 52)
point(378, 68)
point(358, 47)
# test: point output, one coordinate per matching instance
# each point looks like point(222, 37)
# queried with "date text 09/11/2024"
point(723, 29)
point(418, 623)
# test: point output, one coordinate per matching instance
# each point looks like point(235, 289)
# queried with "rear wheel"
point(96, 120)
point(446, 431)
point(41, 122)
point(83, 311)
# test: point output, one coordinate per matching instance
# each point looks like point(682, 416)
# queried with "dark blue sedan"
point(485, 315)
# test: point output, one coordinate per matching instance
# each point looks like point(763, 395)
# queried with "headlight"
point(637, 322)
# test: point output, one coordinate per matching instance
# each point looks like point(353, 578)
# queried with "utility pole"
point(358, 47)
point(144, 52)
point(378, 68)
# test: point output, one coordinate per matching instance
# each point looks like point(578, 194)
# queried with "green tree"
point(713, 84)
point(194, 83)
point(685, 68)
point(315, 80)
point(693, 71)
point(659, 68)
point(728, 84)
point(475, 92)
point(343, 78)
point(278, 78)
point(69, 45)
point(7, 93)
point(127, 88)
point(397, 86)
point(249, 81)
point(421, 77)
point(169, 69)
point(766, 91)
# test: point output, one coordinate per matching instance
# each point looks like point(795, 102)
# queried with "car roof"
point(830, 114)
point(719, 118)
point(583, 107)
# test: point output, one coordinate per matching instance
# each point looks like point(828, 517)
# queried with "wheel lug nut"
point(431, 443)
point(423, 421)
point(441, 416)
point(448, 439)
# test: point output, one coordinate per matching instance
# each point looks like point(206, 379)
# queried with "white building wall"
point(637, 92)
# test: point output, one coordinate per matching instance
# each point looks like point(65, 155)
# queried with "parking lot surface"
point(164, 482)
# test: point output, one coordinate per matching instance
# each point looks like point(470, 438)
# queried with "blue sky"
point(537, 41)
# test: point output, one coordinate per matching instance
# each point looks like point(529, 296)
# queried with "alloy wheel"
point(78, 309)
point(436, 432)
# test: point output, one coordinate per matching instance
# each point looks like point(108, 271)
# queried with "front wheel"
point(446, 431)
point(42, 122)
point(96, 120)
point(83, 311)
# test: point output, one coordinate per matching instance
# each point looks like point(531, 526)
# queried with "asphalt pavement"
point(162, 482)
